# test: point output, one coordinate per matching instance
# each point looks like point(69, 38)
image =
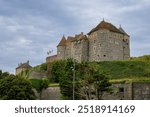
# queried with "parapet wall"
point(129, 91)
point(51, 58)
point(120, 91)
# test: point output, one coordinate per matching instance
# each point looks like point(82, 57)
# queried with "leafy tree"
point(88, 79)
point(3, 74)
point(25, 74)
point(62, 72)
point(57, 71)
point(40, 85)
point(14, 88)
point(93, 82)
point(101, 84)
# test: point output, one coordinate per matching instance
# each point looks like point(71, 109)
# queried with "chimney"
point(28, 62)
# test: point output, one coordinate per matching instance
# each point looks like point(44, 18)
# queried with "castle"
point(105, 42)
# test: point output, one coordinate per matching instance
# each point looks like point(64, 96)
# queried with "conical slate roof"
point(62, 42)
point(105, 25)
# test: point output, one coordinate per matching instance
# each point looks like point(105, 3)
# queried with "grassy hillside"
point(137, 68)
point(126, 69)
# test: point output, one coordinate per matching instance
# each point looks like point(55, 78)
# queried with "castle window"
point(104, 55)
point(94, 41)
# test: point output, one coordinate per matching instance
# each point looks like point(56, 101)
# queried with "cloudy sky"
point(29, 28)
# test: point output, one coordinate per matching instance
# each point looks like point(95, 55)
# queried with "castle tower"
point(106, 43)
point(61, 48)
point(79, 47)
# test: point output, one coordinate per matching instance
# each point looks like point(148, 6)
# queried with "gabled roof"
point(121, 29)
point(24, 65)
point(62, 42)
point(105, 25)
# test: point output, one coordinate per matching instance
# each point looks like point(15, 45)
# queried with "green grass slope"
point(138, 67)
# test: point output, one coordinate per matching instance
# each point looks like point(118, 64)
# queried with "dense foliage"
point(42, 67)
point(40, 85)
point(86, 76)
point(62, 72)
point(15, 88)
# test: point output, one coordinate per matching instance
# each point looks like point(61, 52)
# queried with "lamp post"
point(74, 79)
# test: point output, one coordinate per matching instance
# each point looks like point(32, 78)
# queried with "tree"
point(101, 84)
point(3, 74)
point(25, 74)
point(62, 72)
point(40, 85)
point(14, 88)
point(93, 82)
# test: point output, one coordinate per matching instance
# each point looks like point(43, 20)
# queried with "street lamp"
point(74, 66)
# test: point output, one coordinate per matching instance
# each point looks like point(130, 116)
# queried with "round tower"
point(61, 48)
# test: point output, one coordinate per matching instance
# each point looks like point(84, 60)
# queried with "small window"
point(104, 55)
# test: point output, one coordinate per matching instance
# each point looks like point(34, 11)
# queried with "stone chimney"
point(28, 62)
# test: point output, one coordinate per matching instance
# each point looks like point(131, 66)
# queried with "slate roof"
point(24, 65)
point(105, 25)
point(62, 42)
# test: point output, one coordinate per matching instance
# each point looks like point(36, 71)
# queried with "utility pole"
point(74, 68)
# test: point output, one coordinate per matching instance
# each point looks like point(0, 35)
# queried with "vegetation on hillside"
point(134, 70)
point(40, 85)
point(15, 87)
point(88, 79)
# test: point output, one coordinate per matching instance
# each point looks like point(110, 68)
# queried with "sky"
point(30, 28)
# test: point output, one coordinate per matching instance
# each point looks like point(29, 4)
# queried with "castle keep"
point(105, 42)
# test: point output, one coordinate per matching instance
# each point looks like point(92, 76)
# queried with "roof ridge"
point(105, 25)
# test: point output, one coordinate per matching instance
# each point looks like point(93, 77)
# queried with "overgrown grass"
point(129, 80)
point(53, 85)
point(125, 69)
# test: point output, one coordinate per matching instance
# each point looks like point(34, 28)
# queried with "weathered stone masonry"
point(105, 42)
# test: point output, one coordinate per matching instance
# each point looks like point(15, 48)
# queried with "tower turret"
point(61, 48)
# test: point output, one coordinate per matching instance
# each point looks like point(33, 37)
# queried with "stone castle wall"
point(100, 45)
point(120, 91)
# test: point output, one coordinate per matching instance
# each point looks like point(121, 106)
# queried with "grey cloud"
point(29, 28)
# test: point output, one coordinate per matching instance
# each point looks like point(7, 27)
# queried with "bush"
point(14, 88)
